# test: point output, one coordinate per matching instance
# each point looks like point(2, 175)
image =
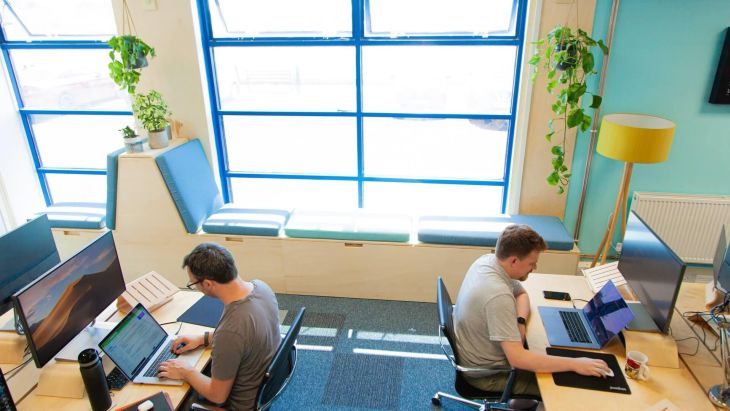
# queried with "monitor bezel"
point(21, 313)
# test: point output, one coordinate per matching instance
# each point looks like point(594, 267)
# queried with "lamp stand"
point(621, 205)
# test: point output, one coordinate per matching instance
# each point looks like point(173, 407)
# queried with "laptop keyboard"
point(574, 326)
point(164, 356)
point(116, 379)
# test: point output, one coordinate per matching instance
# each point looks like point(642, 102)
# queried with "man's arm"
point(522, 303)
point(213, 389)
point(523, 359)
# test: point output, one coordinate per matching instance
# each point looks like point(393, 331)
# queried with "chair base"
point(481, 406)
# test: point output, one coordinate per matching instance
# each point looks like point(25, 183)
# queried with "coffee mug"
point(636, 367)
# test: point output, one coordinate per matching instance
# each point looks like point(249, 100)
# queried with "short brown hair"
point(519, 240)
point(212, 262)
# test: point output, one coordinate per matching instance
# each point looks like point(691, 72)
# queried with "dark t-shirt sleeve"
point(228, 352)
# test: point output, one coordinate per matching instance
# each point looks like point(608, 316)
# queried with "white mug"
point(636, 365)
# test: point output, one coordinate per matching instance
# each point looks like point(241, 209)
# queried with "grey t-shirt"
point(485, 314)
point(244, 343)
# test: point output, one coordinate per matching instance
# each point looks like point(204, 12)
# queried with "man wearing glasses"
point(245, 340)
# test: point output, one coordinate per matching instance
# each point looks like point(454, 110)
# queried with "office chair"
point(279, 372)
point(492, 400)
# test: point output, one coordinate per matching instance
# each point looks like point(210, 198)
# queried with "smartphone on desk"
point(556, 295)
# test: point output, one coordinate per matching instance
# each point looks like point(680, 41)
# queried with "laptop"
point(137, 346)
point(605, 315)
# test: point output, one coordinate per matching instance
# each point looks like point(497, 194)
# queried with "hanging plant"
point(128, 55)
point(568, 61)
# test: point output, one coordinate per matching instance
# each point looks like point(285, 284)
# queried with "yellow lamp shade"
point(635, 138)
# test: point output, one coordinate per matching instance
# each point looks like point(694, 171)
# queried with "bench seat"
point(231, 219)
point(485, 230)
point(80, 215)
point(353, 225)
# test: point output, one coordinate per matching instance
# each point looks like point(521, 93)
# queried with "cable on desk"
point(18, 368)
point(577, 299)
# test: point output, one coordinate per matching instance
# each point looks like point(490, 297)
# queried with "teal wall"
point(663, 62)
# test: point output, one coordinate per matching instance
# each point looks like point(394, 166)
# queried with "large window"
point(398, 105)
point(57, 58)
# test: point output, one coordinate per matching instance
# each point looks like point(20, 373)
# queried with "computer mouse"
point(608, 373)
point(145, 406)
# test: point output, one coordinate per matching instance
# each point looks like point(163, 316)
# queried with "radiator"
point(689, 224)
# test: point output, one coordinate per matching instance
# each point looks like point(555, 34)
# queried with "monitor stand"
point(89, 337)
point(642, 320)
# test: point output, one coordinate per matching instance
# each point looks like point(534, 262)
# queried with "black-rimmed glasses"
point(190, 285)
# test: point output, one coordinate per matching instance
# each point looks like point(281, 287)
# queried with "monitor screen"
point(720, 273)
point(59, 305)
point(654, 272)
point(25, 254)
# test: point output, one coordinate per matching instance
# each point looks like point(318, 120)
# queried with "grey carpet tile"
point(364, 381)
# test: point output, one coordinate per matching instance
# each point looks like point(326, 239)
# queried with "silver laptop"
point(605, 315)
point(137, 346)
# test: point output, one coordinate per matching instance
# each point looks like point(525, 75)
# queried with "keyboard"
point(116, 379)
point(164, 356)
point(574, 326)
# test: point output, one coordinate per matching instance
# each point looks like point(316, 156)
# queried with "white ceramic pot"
point(160, 138)
point(134, 144)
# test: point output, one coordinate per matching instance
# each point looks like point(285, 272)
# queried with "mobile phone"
point(556, 295)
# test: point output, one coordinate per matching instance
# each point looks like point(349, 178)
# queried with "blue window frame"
point(398, 105)
point(56, 57)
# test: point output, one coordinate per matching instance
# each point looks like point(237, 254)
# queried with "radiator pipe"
point(596, 116)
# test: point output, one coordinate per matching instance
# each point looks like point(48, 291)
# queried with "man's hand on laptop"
point(185, 343)
point(590, 366)
point(174, 369)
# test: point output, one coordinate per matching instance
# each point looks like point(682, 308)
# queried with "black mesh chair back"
point(282, 366)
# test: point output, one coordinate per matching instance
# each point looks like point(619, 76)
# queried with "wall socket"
point(619, 246)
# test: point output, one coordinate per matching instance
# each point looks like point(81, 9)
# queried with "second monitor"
point(58, 306)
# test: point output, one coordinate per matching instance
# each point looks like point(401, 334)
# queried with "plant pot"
point(570, 59)
point(138, 63)
point(159, 138)
point(134, 144)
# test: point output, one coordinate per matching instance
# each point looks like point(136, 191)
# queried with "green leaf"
point(561, 190)
point(551, 74)
point(585, 123)
point(553, 178)
point(535, 59)
point(551, 86)
point(558, 108)
point(563, 168)
point(557, 150)
point(596, 102)
point(603, 47)
point(588, 62)
point(575, 117)
point(549, 136)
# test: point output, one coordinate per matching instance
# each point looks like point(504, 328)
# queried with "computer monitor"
point(721, 263)
point(654, 273)
point(58, 306)
point(25, 253)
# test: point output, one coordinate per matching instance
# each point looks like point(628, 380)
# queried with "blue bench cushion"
point(112, 160)
point(76, 215)
point(357, 225)
point(190, 181)
point(484, 231)
point(231, 219)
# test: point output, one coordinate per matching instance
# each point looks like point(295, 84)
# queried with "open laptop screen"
point(134, 341)
point(607, 313)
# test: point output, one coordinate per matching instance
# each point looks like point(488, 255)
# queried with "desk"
point(131, 392)
point(677, 385)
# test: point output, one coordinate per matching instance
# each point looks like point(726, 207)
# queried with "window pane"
point(469, 17)
point(435, 148)
point(433, 198)
point(285, 193)
point(292, 145)
point(51, 19)
point(72, 141)
point(67, 79)
point(281, 18)
point(286, 78)
point(65, 188)
point(438, 79)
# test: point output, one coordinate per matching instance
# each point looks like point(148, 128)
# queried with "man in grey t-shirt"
point(491, 312)
point(245, 340)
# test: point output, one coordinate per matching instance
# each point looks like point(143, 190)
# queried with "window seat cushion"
point(485, 230)
point(90, 216)
point(355, 225)
point(231, 219)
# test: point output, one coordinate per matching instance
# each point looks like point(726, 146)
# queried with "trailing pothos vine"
point(567, 58)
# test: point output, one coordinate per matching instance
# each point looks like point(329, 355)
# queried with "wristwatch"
point(521, 320)
point(205, 339)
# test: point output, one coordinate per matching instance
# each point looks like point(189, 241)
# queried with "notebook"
point(207, 311)
point(605, 315)
point(138, 344)
point(616, 384)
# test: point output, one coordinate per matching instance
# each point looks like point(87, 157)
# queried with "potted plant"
point(151, 110)
point(566, 57)
point(128, 56)
point(132, 142)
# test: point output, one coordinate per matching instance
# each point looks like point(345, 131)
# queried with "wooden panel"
point(70, 240)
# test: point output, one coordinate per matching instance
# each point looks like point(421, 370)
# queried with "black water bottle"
point(92, 372)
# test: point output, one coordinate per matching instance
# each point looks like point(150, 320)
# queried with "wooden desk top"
point(131, 392)
point(677, 385)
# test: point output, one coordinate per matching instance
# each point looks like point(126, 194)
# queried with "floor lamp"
point(631, 138)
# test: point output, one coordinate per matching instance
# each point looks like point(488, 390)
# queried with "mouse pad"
point(616, 384)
